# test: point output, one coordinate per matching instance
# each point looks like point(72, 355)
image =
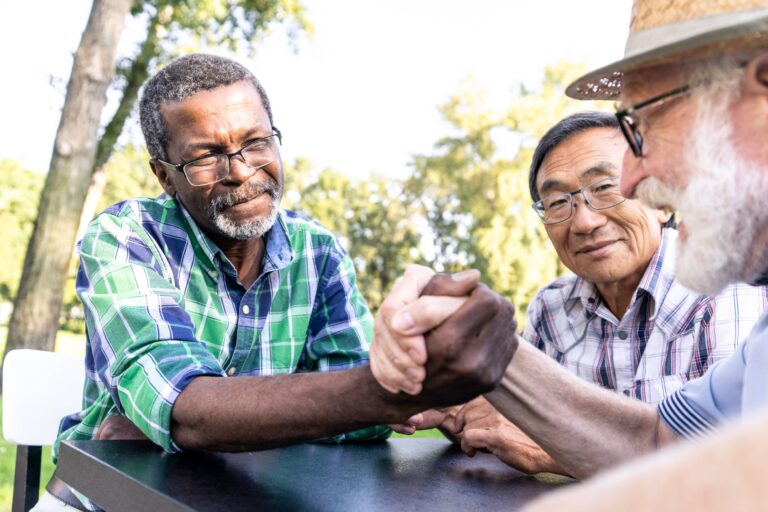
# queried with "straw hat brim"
point(737, 36)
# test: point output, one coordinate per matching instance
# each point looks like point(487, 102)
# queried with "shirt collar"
point(660, 273)
point(278, 253)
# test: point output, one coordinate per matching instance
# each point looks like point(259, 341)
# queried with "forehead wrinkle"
point(602, 168)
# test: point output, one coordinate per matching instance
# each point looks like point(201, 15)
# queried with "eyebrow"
point(220, 148)
point(602, 168)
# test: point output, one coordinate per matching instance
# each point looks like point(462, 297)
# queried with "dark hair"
point(178, 81)
point(564, 129)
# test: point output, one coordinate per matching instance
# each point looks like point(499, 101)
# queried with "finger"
point(387, 374)
point(409, 286)
point(455, 285)
point(423, 315)
point(460, 329)
point(402, 428)
point(459, 421)
point(473, 440)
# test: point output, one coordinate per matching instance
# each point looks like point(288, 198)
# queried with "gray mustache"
point(245, 193)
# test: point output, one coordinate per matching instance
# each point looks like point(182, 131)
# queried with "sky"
point(361, 95)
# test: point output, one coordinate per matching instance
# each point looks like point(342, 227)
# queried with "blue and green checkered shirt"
point(163, 305)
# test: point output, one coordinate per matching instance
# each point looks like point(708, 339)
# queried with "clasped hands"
point(451, 338)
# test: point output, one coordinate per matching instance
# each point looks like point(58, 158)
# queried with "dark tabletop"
point(397, 475)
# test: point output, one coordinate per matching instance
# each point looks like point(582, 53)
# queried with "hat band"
point(652, 38)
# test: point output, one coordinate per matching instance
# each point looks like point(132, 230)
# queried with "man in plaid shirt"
point(217, 321)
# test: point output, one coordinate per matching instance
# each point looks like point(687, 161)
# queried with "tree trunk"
point(135, 76)
point(35, 317)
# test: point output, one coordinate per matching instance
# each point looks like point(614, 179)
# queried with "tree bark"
point(35, 317)
point(135, 76)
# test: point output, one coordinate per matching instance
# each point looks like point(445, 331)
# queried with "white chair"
point(39, 389)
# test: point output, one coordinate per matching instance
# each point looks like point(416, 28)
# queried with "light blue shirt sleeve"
point(728, 390)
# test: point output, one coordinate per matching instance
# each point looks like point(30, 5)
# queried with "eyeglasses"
point(598, 195)
point(630, 126)
point(212, 168)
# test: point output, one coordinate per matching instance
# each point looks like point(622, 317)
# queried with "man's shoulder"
point(144, 209)
point(741, 298)
point(298, 227)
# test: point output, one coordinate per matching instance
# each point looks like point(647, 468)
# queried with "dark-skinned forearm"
point(246, 413)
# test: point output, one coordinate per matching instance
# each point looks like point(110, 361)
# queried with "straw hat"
point(675, 31)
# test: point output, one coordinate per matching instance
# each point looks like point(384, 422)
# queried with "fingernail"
point(411, 387)
point(413, 420)
point(464, 275)
point(413, 374)
point(403, 321)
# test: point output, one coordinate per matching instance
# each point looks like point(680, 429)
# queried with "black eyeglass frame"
point(630, 128)
point(537, 206)
point(180, 167)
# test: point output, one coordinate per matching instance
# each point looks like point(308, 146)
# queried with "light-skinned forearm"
point(583, 427)
point(242, 413)
point(724, 472)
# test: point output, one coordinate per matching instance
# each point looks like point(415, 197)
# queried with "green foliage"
point(372, 218)
point(474, 194)
point(19, 196)
point(128, 175)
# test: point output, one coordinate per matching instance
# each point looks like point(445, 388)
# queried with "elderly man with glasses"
point(216, 320)
point(621, 319)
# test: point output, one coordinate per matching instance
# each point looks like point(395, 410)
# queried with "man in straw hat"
point(693, 93)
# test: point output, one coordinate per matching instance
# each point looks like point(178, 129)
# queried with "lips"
point(595, 247)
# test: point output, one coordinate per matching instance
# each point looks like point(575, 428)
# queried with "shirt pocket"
point(568, 332)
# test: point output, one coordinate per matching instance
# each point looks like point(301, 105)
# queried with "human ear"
point(664, 216)
point(161, 173)
point(756, 78)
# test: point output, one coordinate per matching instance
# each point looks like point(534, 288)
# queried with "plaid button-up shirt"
point(163, 305)
point(668, 336)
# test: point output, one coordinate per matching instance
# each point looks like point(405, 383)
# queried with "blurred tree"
point(19, 194)
point(38, 300)
point(372, 218)
point(474, 192)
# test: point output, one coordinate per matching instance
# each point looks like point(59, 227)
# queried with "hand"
point(117, 427)
point(398, 353)
point(483, 428)
point(443, 419)
point(468, 353)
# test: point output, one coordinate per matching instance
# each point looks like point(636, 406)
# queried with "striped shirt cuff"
point(682, 418)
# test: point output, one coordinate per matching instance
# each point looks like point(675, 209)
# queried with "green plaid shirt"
point(163, 306)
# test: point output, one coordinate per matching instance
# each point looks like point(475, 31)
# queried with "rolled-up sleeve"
point(142, 340)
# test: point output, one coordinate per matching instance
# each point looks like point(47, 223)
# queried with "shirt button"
point(231, 371)
point(623, 335)
point(214, 274)
point(246, 310)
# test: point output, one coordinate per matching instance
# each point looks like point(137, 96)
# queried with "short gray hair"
point(559, 133)
point(181, 79)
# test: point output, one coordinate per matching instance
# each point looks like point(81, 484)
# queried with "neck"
point(245, 255)
point(618, 294)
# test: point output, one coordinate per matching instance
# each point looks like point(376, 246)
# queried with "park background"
point(408, 124)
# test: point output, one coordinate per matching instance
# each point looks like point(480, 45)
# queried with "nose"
point(632, 173)
point(585, 220)
point(238, 170)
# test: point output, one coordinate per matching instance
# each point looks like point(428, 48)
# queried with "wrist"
point(391, 407)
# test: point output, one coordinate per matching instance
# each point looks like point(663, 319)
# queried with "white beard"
point(253, 228)
point(722, 207)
